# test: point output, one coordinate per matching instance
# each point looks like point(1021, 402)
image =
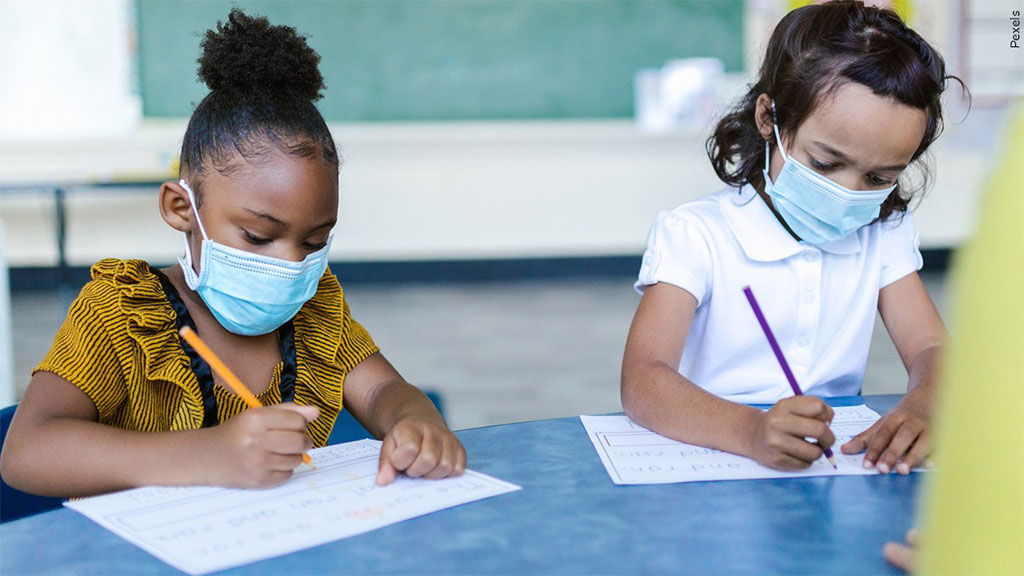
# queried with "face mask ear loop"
point(778, 137)
point(195, 209)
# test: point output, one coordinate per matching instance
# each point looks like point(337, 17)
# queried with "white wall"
point(66, 68)
point(451, 191)
point(409, 191)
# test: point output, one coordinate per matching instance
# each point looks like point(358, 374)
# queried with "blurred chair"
point(8, 393)
point(346, 428)
point(16, 504)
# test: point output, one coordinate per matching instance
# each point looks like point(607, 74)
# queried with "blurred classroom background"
point(503, 161)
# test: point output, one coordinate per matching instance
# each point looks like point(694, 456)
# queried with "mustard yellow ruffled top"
point(120, 346)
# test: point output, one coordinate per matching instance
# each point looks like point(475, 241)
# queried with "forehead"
point(276, 183)
point(872, 129)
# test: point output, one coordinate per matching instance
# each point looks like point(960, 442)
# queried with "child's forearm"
point(656, 396)
point(397, 400)
point(69, 457)
point(923, 377)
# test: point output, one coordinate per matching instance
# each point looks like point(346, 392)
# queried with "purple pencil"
point(778, 356)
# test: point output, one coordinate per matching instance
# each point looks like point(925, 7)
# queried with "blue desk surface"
point(568, 519)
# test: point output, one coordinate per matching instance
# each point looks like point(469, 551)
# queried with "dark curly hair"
point(263, 80)
point(814, 50)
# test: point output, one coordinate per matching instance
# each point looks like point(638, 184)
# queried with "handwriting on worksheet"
point(634, 455)
point(203, 529)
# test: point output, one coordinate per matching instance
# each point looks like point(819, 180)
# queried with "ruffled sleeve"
point(83, 351)
point(119, 345)
point(329, 344)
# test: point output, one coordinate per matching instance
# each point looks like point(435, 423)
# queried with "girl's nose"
point(290, 252)
point(849, 181)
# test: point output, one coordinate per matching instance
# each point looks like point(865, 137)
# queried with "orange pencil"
point(224, 372)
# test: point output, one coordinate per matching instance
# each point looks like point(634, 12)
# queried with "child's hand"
point(260, 447)
point(420, 448)
point(902, 555)
point(779, 440)
point(898, 441)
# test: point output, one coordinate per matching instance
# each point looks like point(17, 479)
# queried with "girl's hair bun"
point(251, 57)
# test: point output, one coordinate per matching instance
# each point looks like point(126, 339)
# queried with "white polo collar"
point(762, 236)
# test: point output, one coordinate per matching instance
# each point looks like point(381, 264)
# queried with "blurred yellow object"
point(902, 7)
point(974, 511)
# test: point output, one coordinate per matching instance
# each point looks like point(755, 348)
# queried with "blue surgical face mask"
point(814, 207)
point(250, 294)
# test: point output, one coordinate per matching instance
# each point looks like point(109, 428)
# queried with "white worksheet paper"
point(204, 529)
point(633, 454)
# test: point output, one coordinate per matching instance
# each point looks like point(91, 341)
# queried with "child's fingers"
point(398, 452)
point(274, 469)
point(429, 456)
point(880, 440)
point(460, 461)
point(913, 535)
point(446, 465)
point(807, 406)
point(915, 455)
point(386, 473)
point(287, 442)
point(283, 462)
point(811, 428)
point(898, 446)
point(271, 479)
point(806, 452)
point(899, 555)
point(308, 413)
point(859, 443)
point(278, 417)
point(856, 445)
point(787, 462)
point(443, 469)
point(793, 452)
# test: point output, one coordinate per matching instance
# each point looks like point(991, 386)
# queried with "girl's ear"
point(763, 116)
point(176, 208)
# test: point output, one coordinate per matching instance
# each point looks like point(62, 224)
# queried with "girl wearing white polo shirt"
point(815, 220)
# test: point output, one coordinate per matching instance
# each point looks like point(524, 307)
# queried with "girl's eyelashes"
point(255, 240)
point(878, 181)
point(822, 166)
point(871, 178)
point(258, 241)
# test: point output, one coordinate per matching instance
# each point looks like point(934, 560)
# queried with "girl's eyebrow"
point(265, 216)
point(327, 224)
point(845, 158)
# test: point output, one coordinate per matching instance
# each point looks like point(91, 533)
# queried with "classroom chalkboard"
point(386, 60)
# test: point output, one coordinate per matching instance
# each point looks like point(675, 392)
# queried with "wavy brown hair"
point(814, 50)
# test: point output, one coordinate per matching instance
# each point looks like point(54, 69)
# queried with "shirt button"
point(804, 342)
point(809, 297)
point(811, 256)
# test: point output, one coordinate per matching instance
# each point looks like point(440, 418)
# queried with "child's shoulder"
point(116, 281)
point(705, 212)
point(123, 301)
point(114, 273)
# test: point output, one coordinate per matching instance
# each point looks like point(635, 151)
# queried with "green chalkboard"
point(453, 59)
